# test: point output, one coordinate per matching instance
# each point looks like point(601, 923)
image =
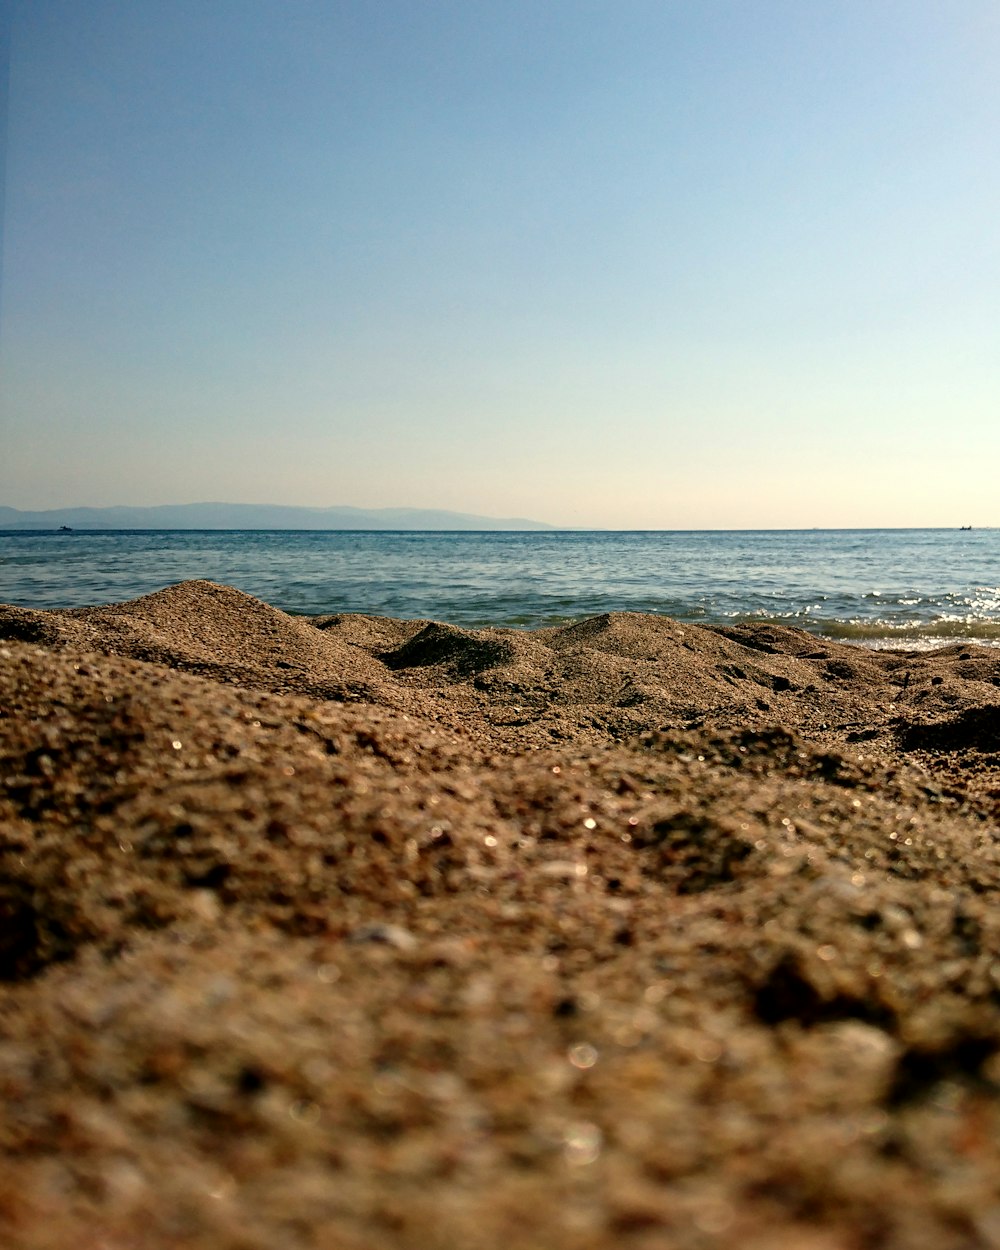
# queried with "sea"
point(893, 588)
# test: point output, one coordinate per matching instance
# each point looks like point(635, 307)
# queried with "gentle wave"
point(918, 635)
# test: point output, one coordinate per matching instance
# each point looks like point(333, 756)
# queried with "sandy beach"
point(352, 933)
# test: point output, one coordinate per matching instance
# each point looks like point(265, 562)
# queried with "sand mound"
point(375, 634)
point(972, 729)
point(604, 679)
point(553, 939)
point(215, 631)
point(458, 652)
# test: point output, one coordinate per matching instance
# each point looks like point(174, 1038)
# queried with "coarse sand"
point(363, 934)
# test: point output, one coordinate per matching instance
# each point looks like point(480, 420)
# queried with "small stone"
point(386, 934)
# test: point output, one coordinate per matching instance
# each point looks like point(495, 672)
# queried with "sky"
point(673, 264)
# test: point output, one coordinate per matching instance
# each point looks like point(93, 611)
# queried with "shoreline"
point(938, 586)
point(356, 931)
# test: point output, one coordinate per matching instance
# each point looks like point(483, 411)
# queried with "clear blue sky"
point(641, 263)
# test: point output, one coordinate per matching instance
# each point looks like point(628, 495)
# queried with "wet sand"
point(350, 932)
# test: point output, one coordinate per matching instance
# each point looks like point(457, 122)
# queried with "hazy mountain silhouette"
point(240, 516)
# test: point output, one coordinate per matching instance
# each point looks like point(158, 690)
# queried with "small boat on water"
point(64, 529)
point(965, 527)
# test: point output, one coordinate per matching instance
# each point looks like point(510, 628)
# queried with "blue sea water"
point(899, 588)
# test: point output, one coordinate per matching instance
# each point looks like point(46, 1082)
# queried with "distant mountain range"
point(240, 516)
